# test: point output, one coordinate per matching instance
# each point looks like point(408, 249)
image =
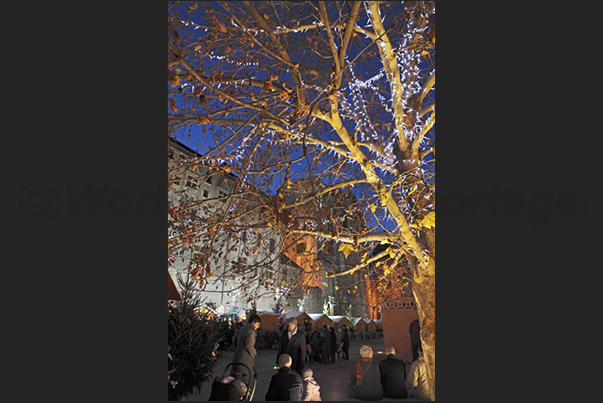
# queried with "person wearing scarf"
point(293, 342)
point(366, 377)
point(290, 332)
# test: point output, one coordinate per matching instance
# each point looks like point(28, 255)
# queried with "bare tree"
point(337, 96)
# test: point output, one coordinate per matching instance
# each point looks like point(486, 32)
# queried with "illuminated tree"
point(338, 96)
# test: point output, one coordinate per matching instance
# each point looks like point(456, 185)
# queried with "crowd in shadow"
point(369, 380)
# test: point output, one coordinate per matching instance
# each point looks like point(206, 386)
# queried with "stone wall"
point(395, 324)
point(313, 301)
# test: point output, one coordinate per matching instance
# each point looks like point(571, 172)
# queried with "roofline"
point(198, 155)
point(179, 143)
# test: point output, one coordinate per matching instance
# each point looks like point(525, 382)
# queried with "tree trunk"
point(424, 292)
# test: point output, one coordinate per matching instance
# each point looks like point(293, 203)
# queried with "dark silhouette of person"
point(246, 352)
point(345, 342)
point(393, 375)
point(293, 342)
point(415, 338)
point(286, 384)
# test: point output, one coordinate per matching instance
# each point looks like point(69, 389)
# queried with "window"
point(205, 193)
point(301, 247)
point(221, 193)
point(191, 182)
point(272, 245)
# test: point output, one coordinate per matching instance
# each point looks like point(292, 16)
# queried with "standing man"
point(415, 338)
point(345, 342)
point(393, 375)
point(315, 341)
point(293, 342)
point(246, 352)
point(333, 344)
point(325, 345)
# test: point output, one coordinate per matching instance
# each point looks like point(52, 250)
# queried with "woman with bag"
point(365, 377)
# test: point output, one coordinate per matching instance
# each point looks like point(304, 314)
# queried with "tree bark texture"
point(424, 293)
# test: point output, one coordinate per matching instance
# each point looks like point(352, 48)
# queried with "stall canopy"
point(320, 319)
point(370, 325)
point(340, 320)
point(300, 316)
point(359, 324)
point(207, 312)
point(270, 320)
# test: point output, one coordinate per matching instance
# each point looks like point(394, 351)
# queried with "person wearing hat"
point(293, 342)
point(311, 387)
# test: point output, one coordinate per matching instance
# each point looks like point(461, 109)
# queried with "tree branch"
point(253, 38)
point(390, 64)
point(359, 266)
point(284, 30)
point(323, 191)
point(373, 179)
point(325, 17)
point(427, 110)
point(426, 87)
point(346, 37)
point(427, 151)
point(426, 127)
point(220, 92)
point(372, 237)
point(301, 96)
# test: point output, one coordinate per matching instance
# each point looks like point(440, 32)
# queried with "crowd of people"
point(388, 378)
point(322, 345)
point(369, 380)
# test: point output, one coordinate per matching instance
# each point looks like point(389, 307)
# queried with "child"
point(311, 387)
point(241, 385)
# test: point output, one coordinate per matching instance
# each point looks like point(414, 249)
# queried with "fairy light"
point(358, 113)
point(408, 61)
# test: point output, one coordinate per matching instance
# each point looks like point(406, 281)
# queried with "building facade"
point(257, 268)
point(201, 194)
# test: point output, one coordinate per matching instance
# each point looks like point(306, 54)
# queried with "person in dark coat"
point(333, 344)
point(325, 345)
point(345, 342)
point(393, 375)
point(366, 377)
point(309, 351)
point(246, 352)
point(286, 384)
point(293, 342)
point(415, 338)
point(316, 345)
